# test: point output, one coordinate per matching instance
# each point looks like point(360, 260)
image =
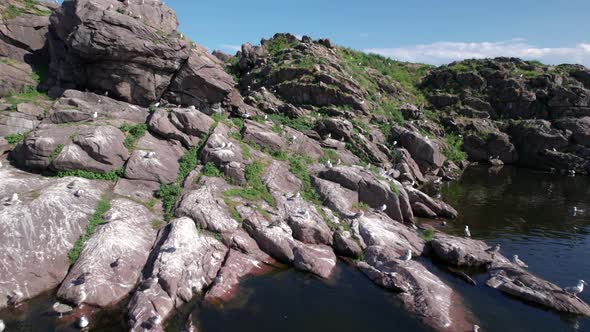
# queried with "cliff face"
point(176, 171)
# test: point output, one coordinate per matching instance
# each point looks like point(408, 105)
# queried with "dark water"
point(528, 213)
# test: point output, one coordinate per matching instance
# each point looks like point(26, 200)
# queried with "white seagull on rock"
point(2, 326)
point(382, 208)
point(517, 261)
point(95, 115)
point(466, 231)
point(83, 322)
point(576, 289)
point(407, 256)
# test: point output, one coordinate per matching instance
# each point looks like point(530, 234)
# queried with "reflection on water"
point(529, 213)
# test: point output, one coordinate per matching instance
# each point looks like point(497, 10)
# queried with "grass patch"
point(29, 95)
point(103, 205)
point(157, 224)
point(427, 235)
point(132, 134)
point(233, 211)
point(110, 176)
point(255, 190)
point(298, 166)
point(168, 193)
point(211, 170)
point(453, 149)
point(362, 206)
point(278, 44)
point(300, 124)
point(14, 139)
point(329, 155)
point(56, 152)
point(246, 152)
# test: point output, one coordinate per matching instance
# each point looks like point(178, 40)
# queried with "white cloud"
point(230, 48)
point(446, 52)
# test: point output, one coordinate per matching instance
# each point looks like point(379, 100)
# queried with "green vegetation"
point(168, 193)
point(300, 123)
point(56, 152)
point(427, 235)
point(254, 190)
point(298, 166)
point(279, 44)
point(361, 206)
point(279, 155)
point(525, 73)
point(29, 8)
point(407, 74)
point(453, 149)
point(104, 204)
point(331, 155)
point(29, 95)
point(246, 152)
point(157, 224)
point(110, 176)
point(211, 170)
point(231, 207)
point(14, 139)
point(133, 134)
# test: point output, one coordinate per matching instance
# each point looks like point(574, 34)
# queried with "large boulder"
point(112, 260)
point(21, 120)
point(130, 50)
point(16, 77)
point(462, 251)
point(154, 159)
point(185, 262)
point(23, 37)
point(39, 229)
point(424, 151)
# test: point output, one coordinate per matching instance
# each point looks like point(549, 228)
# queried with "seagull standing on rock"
point(466, 231)
point(95, 115)
point(475, 328)
point(61, 308)
point(407, 256)
point(382, 208)
point(328, 164)
point(519, 262)
point(576, 289)
point(2, 326)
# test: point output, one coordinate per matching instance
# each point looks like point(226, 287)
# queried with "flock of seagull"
point(575, 290)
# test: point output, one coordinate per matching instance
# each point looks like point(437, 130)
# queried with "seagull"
point(342, 139)
point(518, 262)
point(192, 107)
point(394, 143)
point(294, 196)
point(229, 145)
point(475, 328)
point(576, 289)
point(293, 138)
point(61, 308)
point(95, 115)
point(382, 208)
point(328, 164)
point(246, 115)
point(150, 155)
point(329, 135)
point(571, 172)
point(2, 326)
point(14, 198)
point(413, 183)
point(438, 180)
point(106, 93)
point(493, 250)
point(79, 193)
point(265, 117)
point(155, 320)
point(338, 162)
point(83, 322)
point(407, 256)
point(466, 231)
point(110, 7)
point(554, 150)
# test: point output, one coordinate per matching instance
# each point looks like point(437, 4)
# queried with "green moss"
point(279, 155)
point(157, 224)
point(300, 124)
point(110, 176)
point(453, 149)
point(329, 155)
point(56, 152)
point(103, 205)
point(133, 134)
point(231, 207)
point(14, 139)
point(246, 152)
point(29, 7)
point(29, 95)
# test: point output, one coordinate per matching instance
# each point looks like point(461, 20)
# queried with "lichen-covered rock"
point(317, 259)
point(16, 77)
point(112, 261)
point(461, 251)
point(184, 263)
point(39, 229)
point(379, 230)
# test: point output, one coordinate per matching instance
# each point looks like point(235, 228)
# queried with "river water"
point(529, 213)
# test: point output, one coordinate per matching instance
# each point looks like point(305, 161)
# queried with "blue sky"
point(434, 31)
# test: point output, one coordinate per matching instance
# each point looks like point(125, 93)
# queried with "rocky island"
point(137, 168)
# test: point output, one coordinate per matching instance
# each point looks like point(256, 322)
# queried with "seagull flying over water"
point(576, 289)
point(519, 262)
point(466, 231)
